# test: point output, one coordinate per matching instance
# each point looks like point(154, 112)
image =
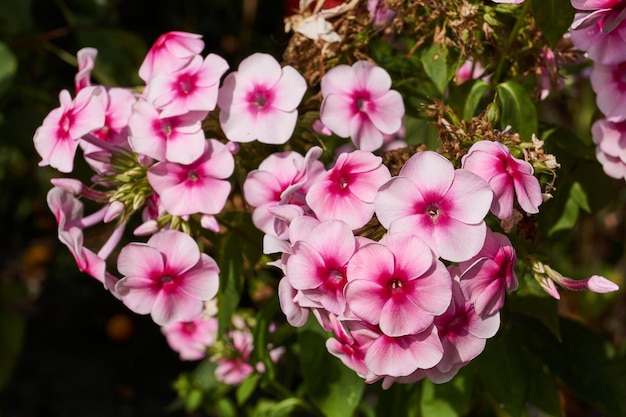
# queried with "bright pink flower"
point(281, 179)
point(170, 52)
point(359, 104)
point(490, 274)
point(175, 139)
point(506, 176)
point(167, 277)
point(347, 191)
point(234, 370)
point(470, 70)
point(348, 348)
point(56, 140)
point(600, 30)
point(191, 338)
point(397, 284)
point(317, 265)
point(609, 84)
point(260, 100)
point(595, 283)
point(443, 206)
point(200, 187)
point(191, 88)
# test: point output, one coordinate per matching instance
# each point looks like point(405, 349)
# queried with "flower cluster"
point(599, 29)
point(403, 272)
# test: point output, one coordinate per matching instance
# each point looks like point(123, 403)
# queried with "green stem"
point(509, 43)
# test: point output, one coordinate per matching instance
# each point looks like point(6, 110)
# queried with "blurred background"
point(68, 348)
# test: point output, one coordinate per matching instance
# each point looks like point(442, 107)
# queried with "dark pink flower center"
point(193, 176)
point(189, 327)
point(361, 101)
point(433, 211)
point(186, 83)
point(619, 76)
point(65, 123)
point(260, 98)
point(165, 279)
point(395, 284)
point(335, 275)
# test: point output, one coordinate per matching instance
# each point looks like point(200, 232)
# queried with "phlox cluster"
point(599, 29)
point(418, 302)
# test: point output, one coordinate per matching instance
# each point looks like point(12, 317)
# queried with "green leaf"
point(544, 309)
point(578, 194)
point(576, 200)
point(435, 66)
point(553, 17)
point(231, 280)
point(477, 92)
point(420, 131)
point(284, 408)
point(247, 388)
point(334, 388)
point(447, 400)
point(517, 109)
point(8, 67)
point(400, 400)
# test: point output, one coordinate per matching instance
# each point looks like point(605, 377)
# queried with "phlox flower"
point(470, 70)
point(397, 284)
point(56, 140)
point(609, 84)
point(193, 87)
point(86, 58)
point(234, 370)
point(346, 192)
point(486, 278)
point(200, 187)
point(166, 277)
point(177, 139)
point(317, 265)
point(170, 52)
point(282, 179)
point(610, 140)
point(260, 100)
point(599, 29)
point(443, 206)
point(507, 176)
point(358, 103)
point(350, 342)
point(191, 338)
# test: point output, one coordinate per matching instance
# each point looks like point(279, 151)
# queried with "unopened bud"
point(493, 113)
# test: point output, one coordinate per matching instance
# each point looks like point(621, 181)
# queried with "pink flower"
point(397, 284)
point(359, 104)
point(194, 87)
point(600, 30)
point(56, 140)
point(86, 59)
point(177, 139)
point(506, 175)
point(166, 277)
point(199, 187)
point(347, 191)
point(470, 70)
point(443, 206)
point(170, 52)
point(490, 274)
point(610, 140)
point(234, 370)
point(609, 84)
point(191, 338)
point(350, 347)
point(260, 100)
point(317, 265)
point(595, 283)
point(282, 179)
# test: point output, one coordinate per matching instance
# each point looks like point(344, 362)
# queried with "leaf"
point(577, 193)
point(420, 131)
point(447, 400)
point(334, 388)
point(553, 17)
point(400, 400)
point(284, 408)
point(435, 66)
point(247, 388)
point(8, 67)
point(517, 109)
point(576, 200)
point(543, 309)
point(231, 280)
point(477, 92)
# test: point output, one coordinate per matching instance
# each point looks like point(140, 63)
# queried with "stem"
point(509, 43)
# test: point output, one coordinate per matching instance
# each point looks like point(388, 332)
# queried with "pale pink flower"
point(191, 338)
point(358, 103)
point(260, 100)
point(609, 84)
point(443, 206)
point(317, 265)
point(86, 60)
point(282, 179)
point(170, 52)
point(175, 139)
point(600, 30)
point(346, 192)
point(234, 370)
point(348, 348)
point(507, 176)
point(200, 187)
point(193, 87)
point(296, 315)
point(595, 283)
point(397, 284)
point(166, 277)
point(487, 277)
point(610, 140)
point(56, 140)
